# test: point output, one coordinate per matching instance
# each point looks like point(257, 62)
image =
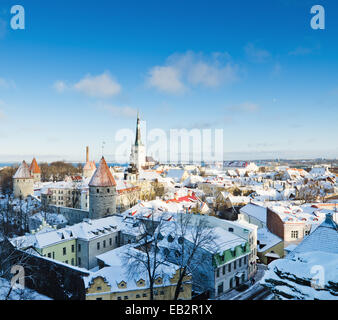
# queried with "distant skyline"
point(79, 72)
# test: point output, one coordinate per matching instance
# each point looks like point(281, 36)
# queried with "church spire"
point(138, 131)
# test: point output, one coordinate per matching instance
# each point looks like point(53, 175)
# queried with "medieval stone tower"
point(102, 192)
point(138, 153)
point(23, 182)
point(35, 171)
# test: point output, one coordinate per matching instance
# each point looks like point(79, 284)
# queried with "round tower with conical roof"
point(35, 171)
point(23, 182)
point(102, 192)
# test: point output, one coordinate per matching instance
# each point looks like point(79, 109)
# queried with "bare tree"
point(193, 239)
point(146, 256)
point(12, 262)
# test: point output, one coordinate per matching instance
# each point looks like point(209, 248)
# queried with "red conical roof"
point(34, 167)
point(102, 177)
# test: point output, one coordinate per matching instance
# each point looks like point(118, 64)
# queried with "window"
point(229, 267)
point(240, 263)
point(73, 248)
point(294, 234)
point(144, 295)
point(98, 246)
point(72, 261)
point(181, 289)
point(53, 255)
point(223, 269)
point(162, 293)
point(119, 298)
point(79, 248)
point(98, 298)
point(49, 255)
point(110, 241)
point(125, 297)
point(231, 229)
point(64, 251)
point(97, 191)
point(217, 273)
point(99, 288)
point(137, 296)
point(107, 210)
point(220, 289)
point(235, 265)
point(104, 243)
point(108, 190)
point(66, 261)
point(79, 260)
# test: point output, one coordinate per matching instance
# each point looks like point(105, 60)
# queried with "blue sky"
point(80, 70)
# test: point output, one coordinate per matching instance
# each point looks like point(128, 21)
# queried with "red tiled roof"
point(34, 167)
point(102, 177)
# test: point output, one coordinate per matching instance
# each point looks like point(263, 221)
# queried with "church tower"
point(102, 192)
point(23, 182)
point(138, 154)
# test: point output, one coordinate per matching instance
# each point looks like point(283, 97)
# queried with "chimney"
point(87, 154)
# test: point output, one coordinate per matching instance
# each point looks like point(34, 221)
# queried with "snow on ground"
point(19, 294)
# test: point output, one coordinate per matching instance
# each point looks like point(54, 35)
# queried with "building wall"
point(228, 278)
point(102, 202)
point(23, 187)
point(56, 252)
point(290, 232)
point(99, 289)
point(94, 250)
point(278, 248)
point(37, 177)
point(274, 223)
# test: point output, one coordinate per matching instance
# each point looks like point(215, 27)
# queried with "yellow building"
point(107, 284)
point(114, 282)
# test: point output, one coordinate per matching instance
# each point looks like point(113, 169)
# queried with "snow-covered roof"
point(102, 177)
point(295, 278)
point(324, 238)
point(266, 239)
point(117, 271)
point(23, 172)
point(256, 211)
point(175, 174)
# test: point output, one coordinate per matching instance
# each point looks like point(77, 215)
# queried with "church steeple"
point(138, 141)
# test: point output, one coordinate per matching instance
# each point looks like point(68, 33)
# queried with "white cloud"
point(245, 107)
point(182, 70)
point(98, 86)
point(60, 86)
point(117, 111)
point(166, 79)
point(255, 54)
point(6, 84)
